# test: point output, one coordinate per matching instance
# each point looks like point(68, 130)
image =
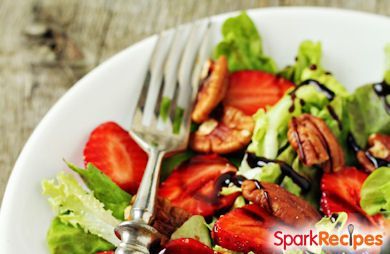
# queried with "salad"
point(271, 150)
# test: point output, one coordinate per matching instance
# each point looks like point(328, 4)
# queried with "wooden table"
point(47, 45)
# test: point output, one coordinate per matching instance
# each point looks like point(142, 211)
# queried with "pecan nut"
point(378, 153)
point(364, 160)
point(212, 91)
point(279, 202)
point(232, 133)
point(379, 146)
point(315, 143)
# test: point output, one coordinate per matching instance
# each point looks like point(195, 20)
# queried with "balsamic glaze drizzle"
point(334, 217)
point(335, 116)
point(382, 90)
point(286, 169)
point(377, 162)
point(320, 87)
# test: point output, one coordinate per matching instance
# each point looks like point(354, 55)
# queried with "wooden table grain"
point(47, 45)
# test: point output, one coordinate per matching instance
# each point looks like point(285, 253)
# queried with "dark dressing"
point(320, 87)
point(228, 178)
point(335, 116)
point(383, 90)
point(225, 180)
point(377, 162)
point(287, 170)
point(334, 217)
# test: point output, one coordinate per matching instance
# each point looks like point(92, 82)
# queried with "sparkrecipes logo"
point(351, 239)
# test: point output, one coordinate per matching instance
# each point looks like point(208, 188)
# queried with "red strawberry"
point(111, 149)
point(252, 90)
point(341, 193)
point(186, 246)
point(245, 229)
point(192, 186)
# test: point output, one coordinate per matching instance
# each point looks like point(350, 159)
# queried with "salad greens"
point(375, 193)
point(366, 114)
point(196, 228)
point(64, 239)
point(104, 189)
point(85, 219)
point(242, 46)
point(74, 205)
point(309, 54)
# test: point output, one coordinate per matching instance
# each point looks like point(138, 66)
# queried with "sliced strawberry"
point(252, 90)
point(186, 246)
point(245, 229)
point(341, 193)
point(192, 186)
point(111, 149)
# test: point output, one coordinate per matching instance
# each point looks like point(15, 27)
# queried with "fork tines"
point(172, 79)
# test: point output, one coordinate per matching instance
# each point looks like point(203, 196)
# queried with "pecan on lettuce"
point(232, 133)
point(212, 90)
point(287, 207)
point(315, 143)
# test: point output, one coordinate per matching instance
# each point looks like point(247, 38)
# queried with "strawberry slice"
point(245, 229)
point(252, 90)
point(192, 186)
point(341, 193)
point(186, 246)
point(111, 149)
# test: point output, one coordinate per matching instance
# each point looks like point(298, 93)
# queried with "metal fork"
point(161, 122)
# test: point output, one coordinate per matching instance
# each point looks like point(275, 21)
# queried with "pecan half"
point(379, 146)
point(232, 133)
point(378, 153)
point(315, 143)
point(279, 202)
point(168, 217)
point(364, 161)
point(212, 91)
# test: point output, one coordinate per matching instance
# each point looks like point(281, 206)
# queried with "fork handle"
point(144, 205)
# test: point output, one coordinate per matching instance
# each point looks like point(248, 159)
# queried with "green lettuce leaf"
point(367, 114)
point(76, 206)
point(375, 192)
point(309, 54)
point(242, 46)
point(196, 228)
point(104, 189)
point(308, 66)
point(64, 239)
point(387, 72)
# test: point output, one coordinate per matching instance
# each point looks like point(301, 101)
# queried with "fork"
point(161, 122)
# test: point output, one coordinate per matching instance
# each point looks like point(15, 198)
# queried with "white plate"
point(353, 50)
